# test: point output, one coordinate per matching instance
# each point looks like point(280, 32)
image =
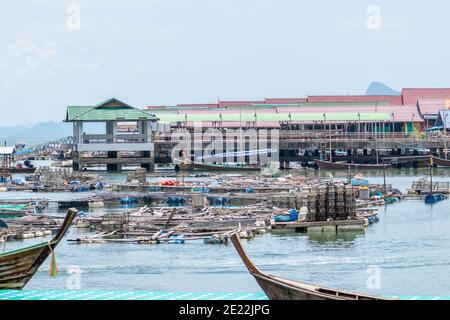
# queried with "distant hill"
point(380, 89)
point(42, 130)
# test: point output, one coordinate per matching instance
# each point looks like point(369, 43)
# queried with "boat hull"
point(17, 270)
point(282, 289)
point(19, 266)
point(442, 163)
point(326, 165)
point(276, 289)
point(18, 170)
point(214, 167)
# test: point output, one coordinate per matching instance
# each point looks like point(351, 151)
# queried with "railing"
point(321, 136)
point(119, 138)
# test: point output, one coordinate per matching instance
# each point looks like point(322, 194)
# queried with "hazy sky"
point(172, 51)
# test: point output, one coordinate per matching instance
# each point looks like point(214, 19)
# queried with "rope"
point(53, 266)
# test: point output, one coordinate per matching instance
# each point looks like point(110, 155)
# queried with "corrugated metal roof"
point(412, 95)
point(346, 103)
point(432, 107)
point(398, 113)
point(109, 110)
point(271, 117)
point(224, 104)
point(286, 100)
point(397, 100)
point(198, 105)
point(6, 150)
point(443, 119)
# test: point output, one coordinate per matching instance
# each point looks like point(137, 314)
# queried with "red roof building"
point(394, 100)
point(411, 96)
point(286, 100)
point(224, 104)
point(198, 105)
point(431, 107)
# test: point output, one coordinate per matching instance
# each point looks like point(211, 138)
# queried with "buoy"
point(27, 236)
point(96, 204)
point(39, 234)
point(127, 200)
point(178, 239)
point(82, 224)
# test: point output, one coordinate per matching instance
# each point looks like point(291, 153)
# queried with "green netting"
point(13, 207)
point(144, 295)
point(124, 295)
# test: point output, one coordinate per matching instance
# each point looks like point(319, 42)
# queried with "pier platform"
point(323, 226)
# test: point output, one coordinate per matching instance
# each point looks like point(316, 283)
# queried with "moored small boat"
point(327, 165)
point(23, 170)
point(439, 162)
point(190, 166)
point(434, 198)
point(19, 266)
point(277, 288)
point(17, 170)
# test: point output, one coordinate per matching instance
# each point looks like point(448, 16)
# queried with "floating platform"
point(322, 226)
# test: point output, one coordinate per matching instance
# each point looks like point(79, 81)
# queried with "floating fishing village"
point(222, 174)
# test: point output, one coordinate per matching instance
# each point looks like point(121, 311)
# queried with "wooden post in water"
point(384, 179)
point(331, 147)
point(444, 115)
point(431, 174)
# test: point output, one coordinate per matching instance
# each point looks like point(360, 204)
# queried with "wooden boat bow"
point(277, 288)
point(19, 266)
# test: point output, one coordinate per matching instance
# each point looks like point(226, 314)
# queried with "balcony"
point(119, 138)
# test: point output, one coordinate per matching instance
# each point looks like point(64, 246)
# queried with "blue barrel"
point(283, 218)
point(127, 200)
point(294, 214)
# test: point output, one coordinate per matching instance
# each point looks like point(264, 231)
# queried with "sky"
point(55, 53)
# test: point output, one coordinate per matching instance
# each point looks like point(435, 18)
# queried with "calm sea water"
point(410, 247)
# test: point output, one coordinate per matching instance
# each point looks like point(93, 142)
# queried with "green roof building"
point(112, 148)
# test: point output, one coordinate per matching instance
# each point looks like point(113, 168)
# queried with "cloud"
point(100, 3)
point(26, 60)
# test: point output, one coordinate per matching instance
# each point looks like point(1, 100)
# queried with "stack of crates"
point(341, 212)
point(331, 202)
point(322, 204)
point(350, 202)
point(313, 209)
point(139, 175)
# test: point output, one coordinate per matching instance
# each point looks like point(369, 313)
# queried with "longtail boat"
point(19, 266)
point(439, 162)
point(327, 165)
point(281, 289)
point(190, 166)
point(24, 170)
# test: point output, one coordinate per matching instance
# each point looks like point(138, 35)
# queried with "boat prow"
point(327, 165)
point(192, 166)
point(19, 266)
point(277, 288)
point(439, 162)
